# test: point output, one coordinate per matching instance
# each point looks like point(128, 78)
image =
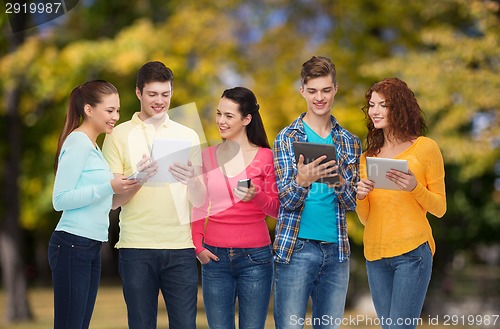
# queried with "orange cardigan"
point(395, 221)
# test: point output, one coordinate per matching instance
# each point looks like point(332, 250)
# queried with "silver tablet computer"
point(312, 151)
point(377, 168)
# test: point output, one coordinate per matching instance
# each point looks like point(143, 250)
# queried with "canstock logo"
point(24, 15)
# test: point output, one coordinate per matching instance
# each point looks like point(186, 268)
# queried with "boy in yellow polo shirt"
point(155, 247)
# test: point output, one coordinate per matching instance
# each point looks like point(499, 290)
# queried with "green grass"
point(111, 313)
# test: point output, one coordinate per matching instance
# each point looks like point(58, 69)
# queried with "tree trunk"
point(11, 237)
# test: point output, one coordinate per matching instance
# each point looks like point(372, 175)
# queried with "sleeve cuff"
point(418, 190)
point(197, 250)
point(105, 189)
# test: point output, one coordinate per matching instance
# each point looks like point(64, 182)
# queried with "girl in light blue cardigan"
point(83, 190)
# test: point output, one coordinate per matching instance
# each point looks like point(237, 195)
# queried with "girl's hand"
point(406, 181)
point(364, 186)
point(122, 185)
point(205, 256)
point(245, 194)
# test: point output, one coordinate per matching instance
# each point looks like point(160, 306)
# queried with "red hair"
point(405, 117)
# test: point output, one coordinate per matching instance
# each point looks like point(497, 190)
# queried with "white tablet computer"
point(377, 168)
point(312, 151)
point(167, 151)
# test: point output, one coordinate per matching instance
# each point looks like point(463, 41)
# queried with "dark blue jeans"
point(398, 286)
point(75, 262)
point(146, 272)
point(241, 273)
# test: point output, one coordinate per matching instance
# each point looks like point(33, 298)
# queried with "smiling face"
point(229, 120)
point(104, 115)
point(155, 100)
point(319, 94)
point(378, 111)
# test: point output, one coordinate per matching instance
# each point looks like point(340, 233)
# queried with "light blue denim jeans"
point(398, 286)
point(146, 272)
point(245, 274)
point(314, 271)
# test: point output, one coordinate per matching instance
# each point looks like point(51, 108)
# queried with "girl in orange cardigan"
point(398, 242)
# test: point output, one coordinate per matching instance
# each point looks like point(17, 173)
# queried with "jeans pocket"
point(261, 256)
point(53, 255)
point(210, 248)
point(299, 245)
point(84, 244)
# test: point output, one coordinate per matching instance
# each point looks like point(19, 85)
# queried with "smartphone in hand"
point(138, 175)
point(244, 183)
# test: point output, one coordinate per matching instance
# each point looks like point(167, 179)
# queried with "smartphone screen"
point(244, 183)
point(137, 175)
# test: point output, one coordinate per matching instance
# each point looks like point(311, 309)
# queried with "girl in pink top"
point(229, 231)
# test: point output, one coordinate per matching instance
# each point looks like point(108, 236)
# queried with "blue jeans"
point(398, 286)
point(314, 271)
point(144, 272)
point(75, 263)
point(243, 273)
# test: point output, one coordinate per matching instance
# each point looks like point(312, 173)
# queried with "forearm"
point(78, 198)
point(347, 191)
point(197, 232)
point(121, 199)
point(267, 203)
point(347, 196)
point(196, 192)
point(292, 195)
point(430, 191)
point(433, 202)
point(362, 210)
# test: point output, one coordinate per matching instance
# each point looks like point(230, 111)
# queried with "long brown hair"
point(405, 117)
point(247, 104)
point(90, 93)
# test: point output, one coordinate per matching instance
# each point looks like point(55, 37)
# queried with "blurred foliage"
point(454, 74)
point(447, 51)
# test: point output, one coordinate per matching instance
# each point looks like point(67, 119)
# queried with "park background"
point(447, 51)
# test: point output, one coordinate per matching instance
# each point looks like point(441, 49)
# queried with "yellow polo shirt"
point(158, 216)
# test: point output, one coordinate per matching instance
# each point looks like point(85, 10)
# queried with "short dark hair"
point(318, 66)
point(152, 72)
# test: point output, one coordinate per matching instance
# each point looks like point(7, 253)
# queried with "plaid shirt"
point(292, 196)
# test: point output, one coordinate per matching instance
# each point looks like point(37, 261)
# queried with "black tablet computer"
point(312, 151)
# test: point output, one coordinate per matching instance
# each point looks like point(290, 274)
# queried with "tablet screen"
point(312, 151)
point(377, 168)
point(167, 151)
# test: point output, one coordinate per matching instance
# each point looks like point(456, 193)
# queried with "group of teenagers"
point(206, 215)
